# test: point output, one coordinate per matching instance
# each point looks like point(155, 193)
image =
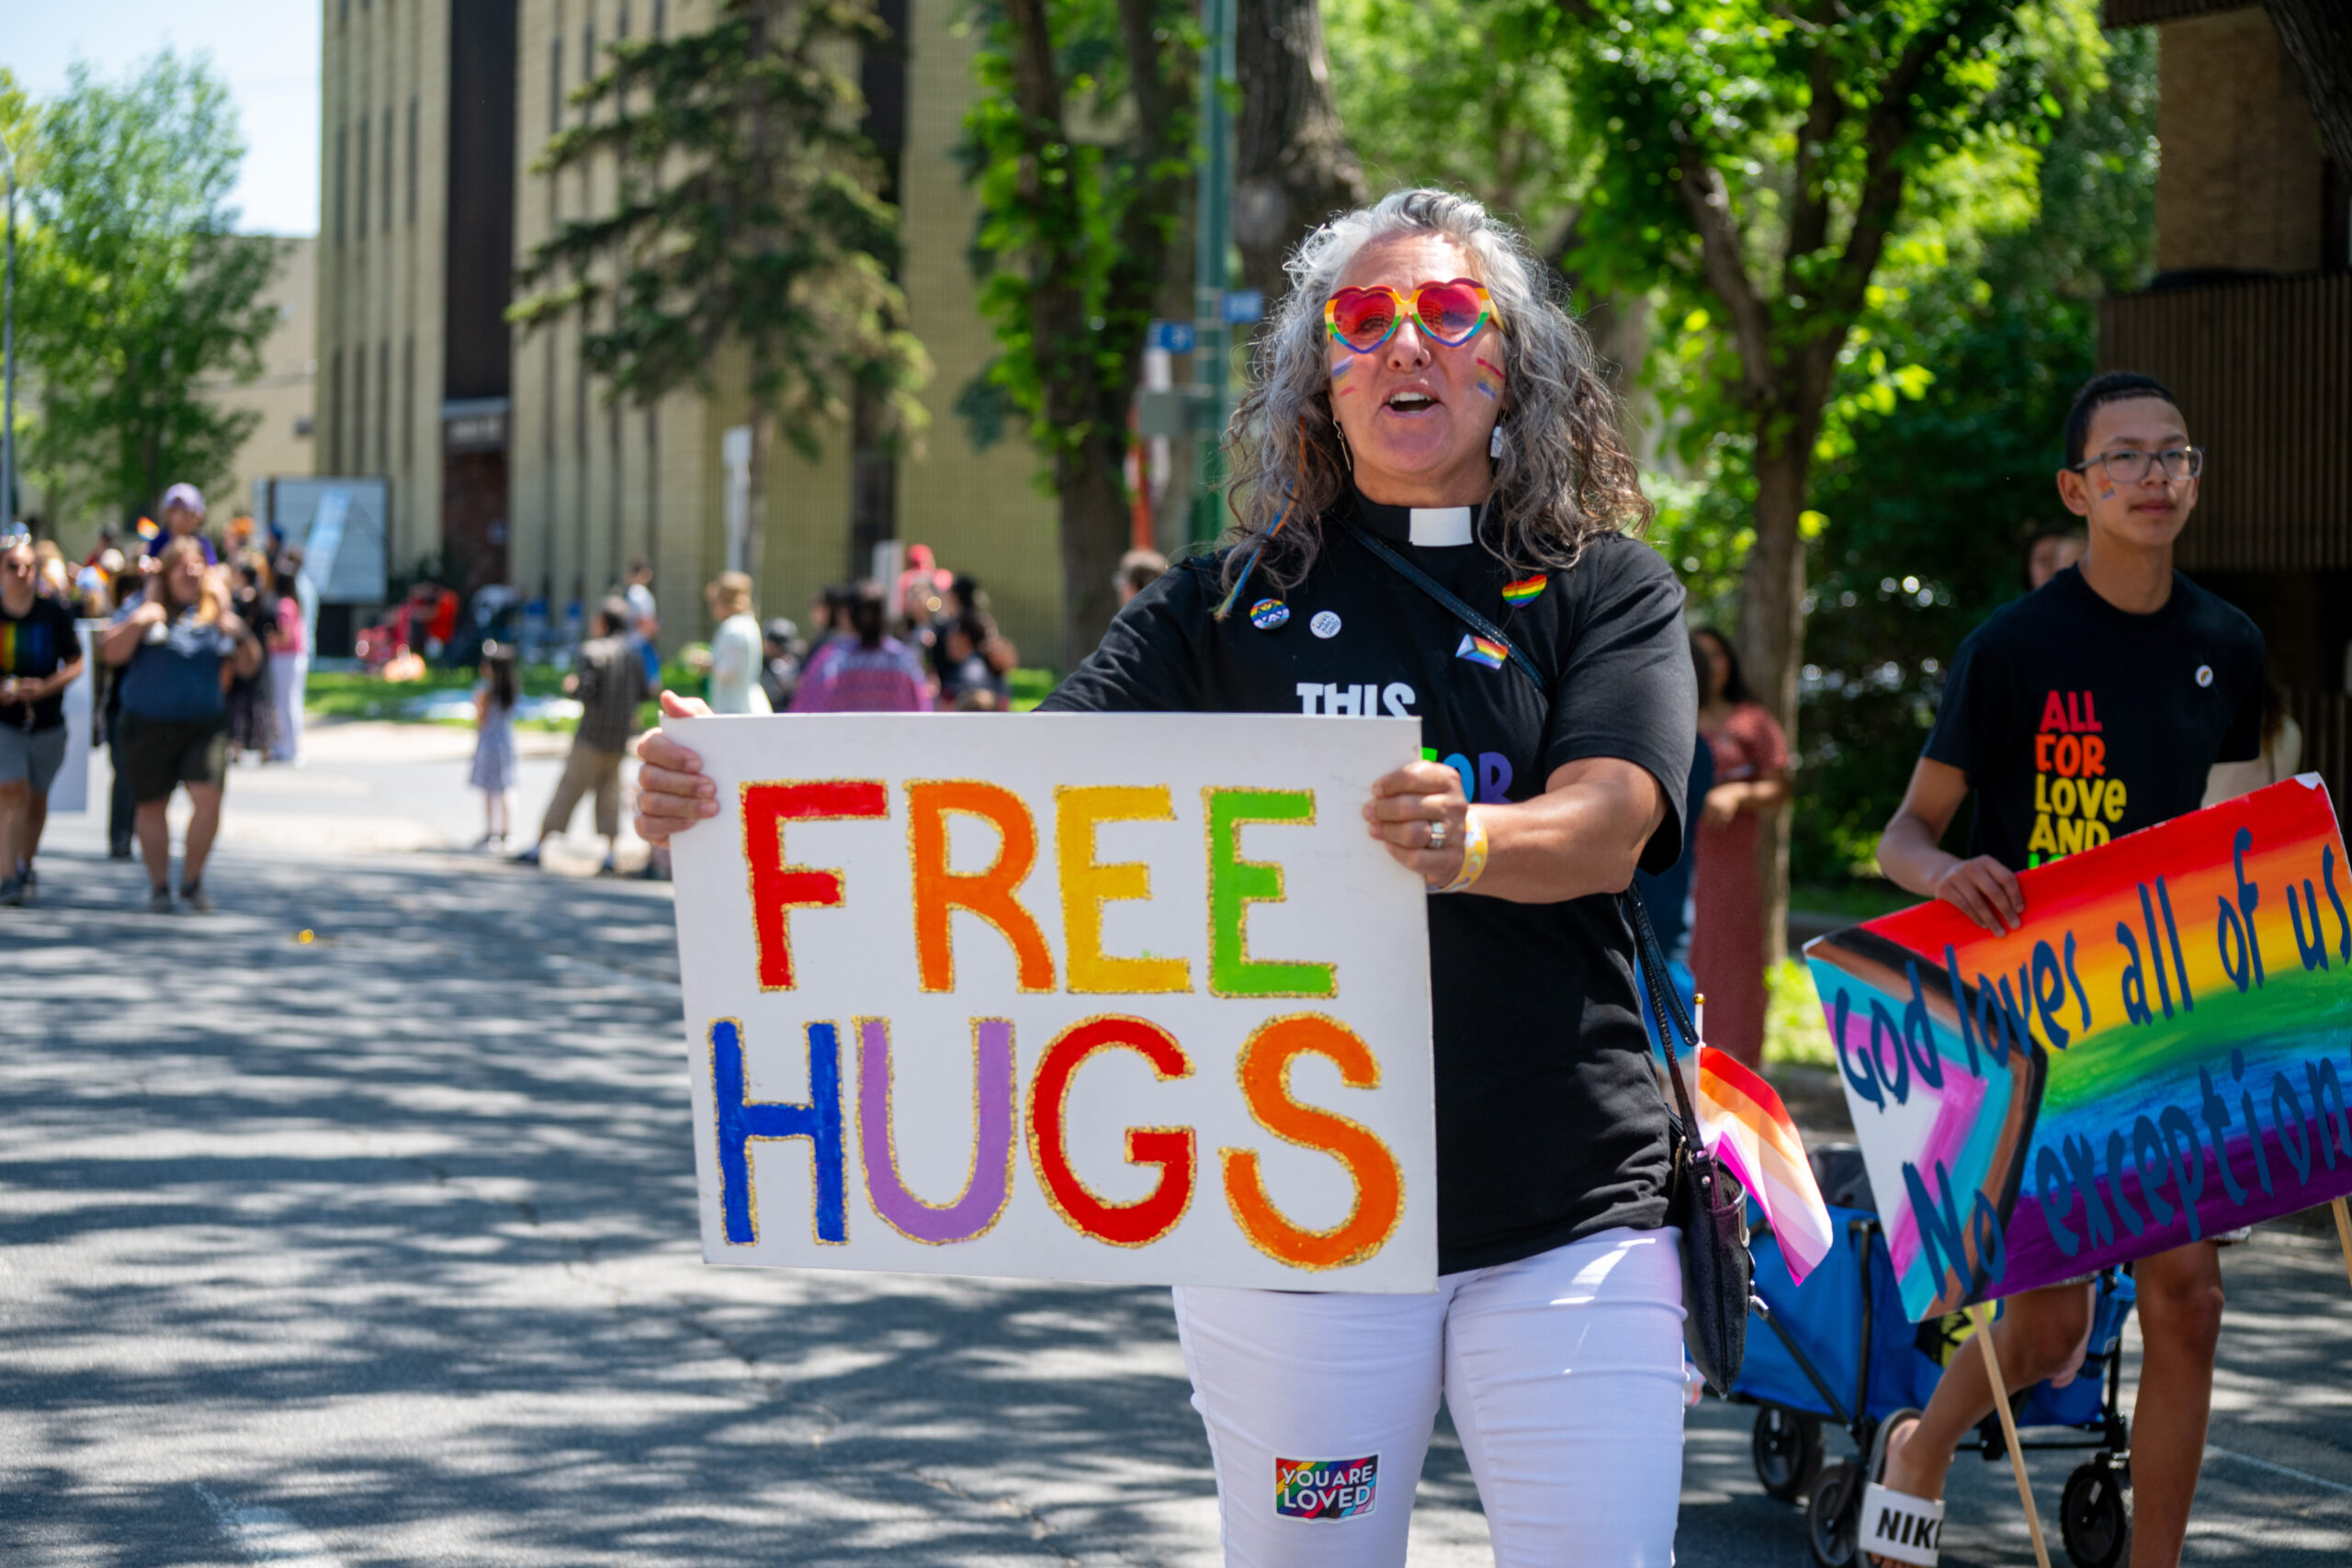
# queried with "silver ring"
point(1437, 835)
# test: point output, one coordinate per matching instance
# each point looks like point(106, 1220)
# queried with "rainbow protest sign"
point(2160, 1055)
point(1124, 996)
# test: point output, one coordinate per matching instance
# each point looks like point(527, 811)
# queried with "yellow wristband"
point(1474, 854)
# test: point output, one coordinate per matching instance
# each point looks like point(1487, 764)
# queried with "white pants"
point(288, 674)
point(1564, 1372)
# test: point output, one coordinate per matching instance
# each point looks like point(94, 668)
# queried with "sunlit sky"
point(267, 51)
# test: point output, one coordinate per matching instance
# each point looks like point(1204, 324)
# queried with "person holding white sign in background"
point(2132, 687)
point(1421, 400)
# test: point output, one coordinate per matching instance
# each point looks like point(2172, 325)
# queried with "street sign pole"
point(1212, 353)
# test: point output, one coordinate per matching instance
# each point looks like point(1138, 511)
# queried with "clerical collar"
point(1425, 526)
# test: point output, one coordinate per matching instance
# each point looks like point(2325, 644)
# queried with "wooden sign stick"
point(2344, 1231)
point(1981, 1313)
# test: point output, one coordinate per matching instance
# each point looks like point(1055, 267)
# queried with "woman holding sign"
point(1433, 504)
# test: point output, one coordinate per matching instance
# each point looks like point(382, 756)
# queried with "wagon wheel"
point(1787, 1449)
point(1833, 1515)
point(2094, 1516)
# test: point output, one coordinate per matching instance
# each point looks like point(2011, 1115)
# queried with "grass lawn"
point(339, 694)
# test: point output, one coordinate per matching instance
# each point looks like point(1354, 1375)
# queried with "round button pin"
point(1326, 624)
point(2204, 674)
point(1268, 614)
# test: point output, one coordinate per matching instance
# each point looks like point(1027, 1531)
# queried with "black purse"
point(1703, 1198)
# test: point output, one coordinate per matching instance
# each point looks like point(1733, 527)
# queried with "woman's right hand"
point(1985, 891)
point(673, 791)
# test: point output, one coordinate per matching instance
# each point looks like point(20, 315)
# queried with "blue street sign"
point(1172, 337)
point(1244, 305)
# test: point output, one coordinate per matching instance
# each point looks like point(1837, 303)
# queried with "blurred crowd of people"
point(202, 660)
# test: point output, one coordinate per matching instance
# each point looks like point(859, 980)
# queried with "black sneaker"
point(12, 893)
point(158, 901)
point(527, 857)
point(197, 901)
point(119, 850)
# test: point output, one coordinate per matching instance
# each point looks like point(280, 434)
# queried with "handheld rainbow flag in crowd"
point(1482, 650)
point(1747, 1128)
point(147, 528)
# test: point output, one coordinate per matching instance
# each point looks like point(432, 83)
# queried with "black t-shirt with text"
point(2077, 722)
point(35, 646)
point(1549, 1122)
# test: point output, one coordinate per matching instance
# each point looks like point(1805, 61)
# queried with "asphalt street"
point(380, 1248)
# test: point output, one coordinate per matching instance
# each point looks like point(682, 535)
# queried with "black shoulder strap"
point(1451, 602)
point(1673, 1023)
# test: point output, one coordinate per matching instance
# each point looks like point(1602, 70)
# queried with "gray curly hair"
point(1565, 475)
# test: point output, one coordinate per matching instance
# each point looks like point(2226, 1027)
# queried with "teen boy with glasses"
point(2143, 681)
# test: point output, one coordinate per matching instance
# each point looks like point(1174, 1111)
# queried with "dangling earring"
point(1495, 441)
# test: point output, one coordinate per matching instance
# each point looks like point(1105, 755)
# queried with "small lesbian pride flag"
point(1525, 588)
point(1482, 650)
point(1747, 1128)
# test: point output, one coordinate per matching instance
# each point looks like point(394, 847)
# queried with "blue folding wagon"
point(1838, 1348)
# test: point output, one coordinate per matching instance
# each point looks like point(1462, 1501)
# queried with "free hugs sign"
point(2161, 1054)
point(1128, 998)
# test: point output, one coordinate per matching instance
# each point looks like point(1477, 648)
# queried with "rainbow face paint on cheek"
point(1340, 374)
point(1490, 390)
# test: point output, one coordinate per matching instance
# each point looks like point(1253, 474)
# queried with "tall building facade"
point(510, 463)
point(285, 393)
point(2249, 323)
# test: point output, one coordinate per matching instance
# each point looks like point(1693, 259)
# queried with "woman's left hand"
point(1411, 804)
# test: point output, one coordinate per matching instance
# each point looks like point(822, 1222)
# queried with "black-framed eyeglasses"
point(2130, 468)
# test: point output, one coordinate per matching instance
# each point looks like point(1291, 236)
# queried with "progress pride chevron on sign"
point(2162, 1054)
point(1128, 998)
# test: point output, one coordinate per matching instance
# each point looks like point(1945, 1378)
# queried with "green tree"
point(134, 291)
point(1928, 510)
point(1078, 146)
point(1465, 94)
point(746, 220)
point(1759, 164)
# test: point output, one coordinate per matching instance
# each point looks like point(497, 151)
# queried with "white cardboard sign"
point(1127, 998)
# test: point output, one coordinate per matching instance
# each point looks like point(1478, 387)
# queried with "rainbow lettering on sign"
point(1008, 1115)
point(1525, 588)
point(1482, 650)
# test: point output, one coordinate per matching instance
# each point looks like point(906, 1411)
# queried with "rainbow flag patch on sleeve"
point(1326, 1488)
point(1482, 650)
point(1525, 588)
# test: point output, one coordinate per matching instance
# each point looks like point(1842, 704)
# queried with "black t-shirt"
point(2077, 723)
point(1549, 1123)
point(35, 646)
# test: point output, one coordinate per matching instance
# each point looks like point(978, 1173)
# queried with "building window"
point(360, 410)
point(359, 213)
point(408, 400)
point(341, 175)
point(384, 404)
point(579, 396)
point(555, 83)
point(620, 25)
point(587, 57)
point(388, 171)
point(660, 19)
point(411, 158)
point(334, 412)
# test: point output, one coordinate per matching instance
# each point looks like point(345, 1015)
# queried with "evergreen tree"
point(746, 221)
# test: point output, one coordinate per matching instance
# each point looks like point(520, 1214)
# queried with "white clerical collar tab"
point(1439, 526)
